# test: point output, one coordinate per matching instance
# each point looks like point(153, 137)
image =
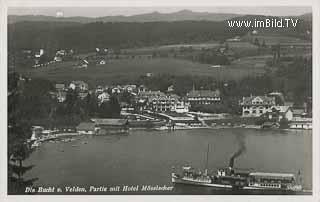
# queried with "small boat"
point(74, 145)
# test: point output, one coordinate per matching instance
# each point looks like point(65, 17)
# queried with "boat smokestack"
point(238, 152)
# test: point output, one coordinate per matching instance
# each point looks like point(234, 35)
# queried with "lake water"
point(146, 158)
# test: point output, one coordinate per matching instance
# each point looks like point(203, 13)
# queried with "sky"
point(127, 11)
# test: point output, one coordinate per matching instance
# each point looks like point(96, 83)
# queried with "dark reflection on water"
point(146, 158)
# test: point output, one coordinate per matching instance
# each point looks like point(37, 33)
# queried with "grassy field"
point(275, 39)
point(127, 70)
point(176, 47)
point(236, 46)
point(252, 62)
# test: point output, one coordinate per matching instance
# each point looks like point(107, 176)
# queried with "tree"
point(91, 105)
point(18, 151)
point(110, 109)
point(115, 107)
point(44, 59)
point(261, 120)
point(126, 97)
point(104, 110)
point(284, 123)
point(71, 98)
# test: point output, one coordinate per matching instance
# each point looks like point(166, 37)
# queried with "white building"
point(130, 88)
point(103, 97)
point(181, 107)
point(255, 106)
point(36, 132)
point(99, 90)
point(39, 54)
point(285, 112)
point(149, 74)
point(79, 85)
point(83, 64)
point(102, 62)
point(116, 90)
point(280, 112)
point(57, 58)
point(203, 97)
point(301, 123)
point(158, 101)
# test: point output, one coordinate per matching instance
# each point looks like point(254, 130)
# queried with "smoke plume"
point(242, 148)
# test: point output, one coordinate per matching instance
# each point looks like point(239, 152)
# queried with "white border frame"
point(4, 4)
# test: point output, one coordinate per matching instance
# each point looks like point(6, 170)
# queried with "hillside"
point(118, 35)
point(128, 70)
point(86, 37)
point(306, 17)
point(182, 15)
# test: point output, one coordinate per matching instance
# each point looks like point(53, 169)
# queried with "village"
point(147, 109)
point(144, 108)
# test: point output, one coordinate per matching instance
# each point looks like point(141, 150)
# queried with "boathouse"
point(86, 128)
point(107, 126)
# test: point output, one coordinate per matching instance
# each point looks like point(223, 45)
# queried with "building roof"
point(204, 93)
point(279, 95)
point(298, 111)
point(287, 103)
point(37, 127)
point(60, 86)
point(268, 123)
point(175, 96)
point(83, 94)
point(301, 120)
point(282, 109)
point(258, 100)
point(104, 94)
point(79, 82)
point(110, 122)
point(151, 94)
point(86, 126)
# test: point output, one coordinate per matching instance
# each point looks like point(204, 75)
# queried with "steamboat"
point(236, 179)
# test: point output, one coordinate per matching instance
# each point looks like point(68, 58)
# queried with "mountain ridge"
point(182, 15)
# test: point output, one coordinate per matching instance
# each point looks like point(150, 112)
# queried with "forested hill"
point(83, 37)
point(86, 37)
point(182, 15)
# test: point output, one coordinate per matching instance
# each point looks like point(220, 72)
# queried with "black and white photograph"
point(195, 100)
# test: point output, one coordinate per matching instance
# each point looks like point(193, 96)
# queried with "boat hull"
point(198, 183)
point(177, 180)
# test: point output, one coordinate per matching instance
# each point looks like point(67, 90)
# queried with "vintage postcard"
point(160, 100)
